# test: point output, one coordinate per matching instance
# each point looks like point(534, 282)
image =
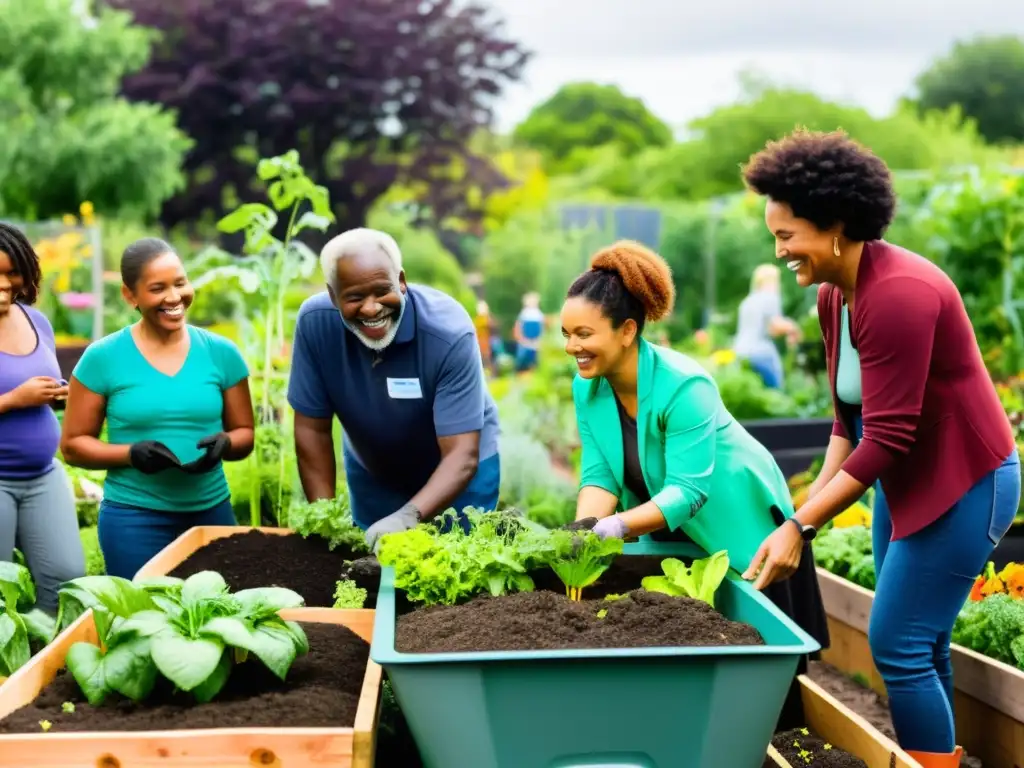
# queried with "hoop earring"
point(835, 246)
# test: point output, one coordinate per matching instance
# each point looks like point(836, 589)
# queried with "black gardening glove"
point(216, 446)
point(151, 456)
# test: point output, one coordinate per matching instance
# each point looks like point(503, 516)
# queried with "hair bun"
point(644, 273)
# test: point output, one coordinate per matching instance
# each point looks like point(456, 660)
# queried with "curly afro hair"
point(828, 179)
point(629, 282)
point(24, 260)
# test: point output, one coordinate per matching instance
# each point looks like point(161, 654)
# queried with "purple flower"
point(73, 300)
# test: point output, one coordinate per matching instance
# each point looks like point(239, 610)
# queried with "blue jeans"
point(526, 358)
point(371, 500)
point(769, 368)
point(923, 580)
point(130, 536)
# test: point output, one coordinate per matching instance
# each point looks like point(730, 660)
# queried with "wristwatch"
point(807, 532)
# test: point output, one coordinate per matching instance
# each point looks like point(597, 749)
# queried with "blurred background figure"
point(760, 322)
point(487, 336)
point(528, 332)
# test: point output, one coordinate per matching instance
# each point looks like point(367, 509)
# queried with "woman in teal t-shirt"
point(176, 402)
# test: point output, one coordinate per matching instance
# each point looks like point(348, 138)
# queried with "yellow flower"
point(86, 209)
point(723, 356)
point(69, 220)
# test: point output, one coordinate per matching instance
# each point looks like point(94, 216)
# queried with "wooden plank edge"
point(40, 672)
point(833, 721)
point(993, 682)
point(775, 757)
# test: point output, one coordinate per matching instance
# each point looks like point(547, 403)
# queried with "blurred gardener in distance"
point(399, 365)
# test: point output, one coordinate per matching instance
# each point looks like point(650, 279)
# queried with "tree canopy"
point(580, 116)
point(985, 78)
point(370, 92)
point(67, 136)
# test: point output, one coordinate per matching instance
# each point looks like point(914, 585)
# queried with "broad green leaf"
point(85, 662)
point(204, 585)
point(310, 220)
point(185, 662)
point(281, 196)
point(246, 215)
point(160, 583)
point(128, 668)
point(16, 652)
point(117, 595)
point(267, 170)
point(40, 625)
point(212, 685)
point(299, 637)
point(267, 601)
point(275, 646)
point(709, 572)
point(145, 623)
point(7, 628)
point(230, 631)
point(661, 584)
point(18, 582)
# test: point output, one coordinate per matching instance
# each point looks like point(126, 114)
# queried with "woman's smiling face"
point(809, 253)
point(591, 339)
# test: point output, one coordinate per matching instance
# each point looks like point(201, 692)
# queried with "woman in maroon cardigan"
point(916, 416)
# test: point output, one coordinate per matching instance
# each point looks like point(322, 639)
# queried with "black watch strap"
point(807, 532)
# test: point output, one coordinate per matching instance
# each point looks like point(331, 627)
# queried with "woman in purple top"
point(37, 504)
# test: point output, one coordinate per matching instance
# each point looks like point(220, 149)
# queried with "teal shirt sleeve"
point(231, 366)
point(594, 469)
point(92, 368)
point(689, 432)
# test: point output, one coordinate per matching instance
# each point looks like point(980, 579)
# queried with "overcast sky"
point(682, 57)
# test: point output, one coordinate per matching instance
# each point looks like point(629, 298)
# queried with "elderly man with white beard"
point(399, 365)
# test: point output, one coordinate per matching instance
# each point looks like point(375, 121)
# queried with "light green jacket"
point(704, 471)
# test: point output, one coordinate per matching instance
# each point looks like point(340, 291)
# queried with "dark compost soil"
point(322, 690)
point(802, 747)
point(545, 620)
point(256, 559)
point(865, 702)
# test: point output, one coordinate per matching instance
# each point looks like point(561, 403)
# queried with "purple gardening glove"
point(611, 528)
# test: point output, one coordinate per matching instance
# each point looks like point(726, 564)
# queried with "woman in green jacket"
point(660, 450)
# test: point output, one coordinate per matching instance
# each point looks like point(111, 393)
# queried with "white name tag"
point(404, 389)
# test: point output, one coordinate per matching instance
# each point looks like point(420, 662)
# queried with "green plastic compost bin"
point(669, 707)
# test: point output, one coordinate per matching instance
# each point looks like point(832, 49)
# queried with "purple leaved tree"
point(369, 91)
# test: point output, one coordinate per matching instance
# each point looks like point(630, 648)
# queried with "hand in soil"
point(803, 749)
point(365, 572)
point(586, 524)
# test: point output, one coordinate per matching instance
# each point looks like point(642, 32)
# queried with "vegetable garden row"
point(241, 647)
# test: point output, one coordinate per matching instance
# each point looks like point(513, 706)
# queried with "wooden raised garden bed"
point(834, 723)
point(241, 746)
point(241, 555)
point(989, 704)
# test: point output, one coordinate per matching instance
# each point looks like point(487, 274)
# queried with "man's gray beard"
point(376, 345)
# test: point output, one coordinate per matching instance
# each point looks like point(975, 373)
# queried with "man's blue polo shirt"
point(428, 383)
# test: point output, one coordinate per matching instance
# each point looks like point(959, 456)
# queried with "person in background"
point(760, 321)
point(916, 416)
point(484, 332)
point(399, 365)
point(660, 450)
point(37, 503)
point(176, 402)
point(529, 330)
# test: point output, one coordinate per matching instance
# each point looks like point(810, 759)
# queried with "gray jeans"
point(38, 517)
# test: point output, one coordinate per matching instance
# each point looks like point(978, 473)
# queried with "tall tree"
point(985, 78)
point(580, 116)
point(371, 92)
point(65, 136)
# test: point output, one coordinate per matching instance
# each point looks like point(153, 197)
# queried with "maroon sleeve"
point(824, 321)
point(895, 340)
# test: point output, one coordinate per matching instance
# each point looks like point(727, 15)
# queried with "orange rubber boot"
point(937, 759)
